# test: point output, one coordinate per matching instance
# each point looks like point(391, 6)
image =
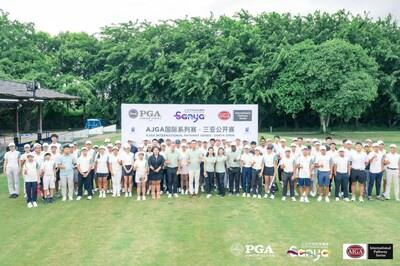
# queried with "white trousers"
point(392, 176)
point(67, 185)
point(194, 175)
point(116, 182)
point(13, 180)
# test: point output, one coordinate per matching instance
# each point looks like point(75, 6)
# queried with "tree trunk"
point(323, 121)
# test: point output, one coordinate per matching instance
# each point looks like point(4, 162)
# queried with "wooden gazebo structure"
point(16, 94)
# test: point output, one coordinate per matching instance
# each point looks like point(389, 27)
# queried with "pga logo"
point(144, 114)
point(250, 250)
point(258, 249)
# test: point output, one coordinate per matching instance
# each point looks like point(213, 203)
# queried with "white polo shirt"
point(304, 162)
point(48, 168)
point(269, 159)
point(247, 159)
point(324, 162)
point(12, 158)
point(126, 158)
point(31, 169)
point(341, 164)
point(375, 166)
point(288, 163)
point(84, 163)
point(358, 160)
point(102, 163)
point(257, 160)
point(393, 159)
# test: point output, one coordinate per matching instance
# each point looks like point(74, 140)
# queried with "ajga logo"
point(189, 116)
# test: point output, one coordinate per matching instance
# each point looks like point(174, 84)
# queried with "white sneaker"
point(266, 195)
point(248, 195)
point(104, 195)
point(272, 196)
point(118, 194)
point(306, 200)
point(313, 194)
point(259, 196)
point(144, 198)
point(186, 192)
point(34, 204)
point(138, 198)
point(71, 198)
point(176, 195)
point(283, 198)
point(30, 205)
point(346, 199)
point(301, 199)
point(337, 198)
point(126, 194)
point(244, 195)
point(319, 198)
point(78, 198)
point(64, 199)
point(113, 195)
point(208, 196)
point(353, 198)
point(169, 196)
point(254, 196)
point(361, 199)
point(182, 192)
point(85, 193)
point(293, 199)
point(89, 197)
point(130, 194)
point(100, 195)
point(327, 199)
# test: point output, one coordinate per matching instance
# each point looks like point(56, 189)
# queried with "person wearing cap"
point(359, 161)
point(75, 154)
point(46, 147)
point(118, 145)
point(209, 170)
point(38, 154)
point(55, 154)
point(341, 170)
point(323, 164)
point(195, 157)
point(48, 172)
point(11, 169)
point(84, 165)
point(172, 163)
point(220, 170)
point(315, 151)
point(102, 168)
point(22, 159)
point(141, 172)
point(246, 163)
point(304, 169)
point(127, 160)
point(376, 164)
point(233, 164)
point(32, 179)
point(156, 164)
point(270, 163)
point(392, 162)
point(115, 171)
point(66, 163)
point(54, 141)
point(288, 165)
point(256, 173)
point(183, 169)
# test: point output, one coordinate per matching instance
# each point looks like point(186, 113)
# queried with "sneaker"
point(89, 197)
point(283, 198)
point(244, 195)
point(144, 198)
point(313, 194)
point(272, 196)
point(126, 194)
point(104, 195)
point(64, 199)
point(327, 199)
point(370, 198)
point(118, 195)
point(138, 198)
point(259, 196)
point(34, 204)
point(254, 196)
point(361, 199)
point(353, 198)
point(100, 195)
point(78, 198)
point(182, 192)
point(293, 199)
point(266, 195)
point(130, 194)
point(71, 198)
point(30, 205)
point(306, 200)
point(186, 192)
point(337, 198)
point(208, 196)
point(319, 198)
point(301, 199)
point(169, 196)
point(248, 195)
point(346, 199)
point(113, 195)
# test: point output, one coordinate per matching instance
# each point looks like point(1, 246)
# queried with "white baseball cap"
point(102, 147)
point(393, 146)
point(11, 144)
point(45, 144)
point(247, 147)
point(323, 147)
point(341, 149)
point(117, 142)
point(84, 148)
point(293, 145)
point(375, 145)
point(27, 146)
point(287, 150)
point(283, 140)
point(109, 145)
point(348, 142)
point(88, 142)
point(107, 140)
point(380, 142)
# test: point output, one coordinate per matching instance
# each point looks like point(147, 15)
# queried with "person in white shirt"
point(84, 165)
point(305, 173)
point(392, 162)
point(359, 160)
point(32, 179)
point(341, 171)
point(246, 162)
point(288, 165)
point(127, 169)
point(270, 161)
point(183, 169)
point(75, 154)
point(11, 169)
point(315, 151)
point(323, 165)
point(142, 170)
point(257, 167)
point(22, 159)
point(376, 164)
point(48, 171)
point(101, 164)
point(116, 171)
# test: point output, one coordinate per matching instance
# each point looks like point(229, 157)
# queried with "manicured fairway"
point(188, 231)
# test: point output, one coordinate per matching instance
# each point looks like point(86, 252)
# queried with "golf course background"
point(192, 231)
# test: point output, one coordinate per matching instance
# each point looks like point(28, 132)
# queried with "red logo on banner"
point(355, 251)
point(224, 115)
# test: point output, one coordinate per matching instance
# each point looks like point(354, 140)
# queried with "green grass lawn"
point(188, 231)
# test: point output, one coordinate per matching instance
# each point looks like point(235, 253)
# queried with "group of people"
point(191, 167)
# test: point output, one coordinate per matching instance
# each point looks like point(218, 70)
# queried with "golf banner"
point(190, 121)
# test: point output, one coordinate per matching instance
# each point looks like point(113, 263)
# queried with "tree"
point(335, 79)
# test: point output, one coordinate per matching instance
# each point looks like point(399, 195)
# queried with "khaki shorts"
point(49, 182)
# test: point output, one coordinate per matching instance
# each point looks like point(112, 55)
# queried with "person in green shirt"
point(209, 170)
point(220, 170)
point(194, 160)
point(172, 163)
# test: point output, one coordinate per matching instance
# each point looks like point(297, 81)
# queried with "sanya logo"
point(224, 115)
point(314, 253)
point(189, 116)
